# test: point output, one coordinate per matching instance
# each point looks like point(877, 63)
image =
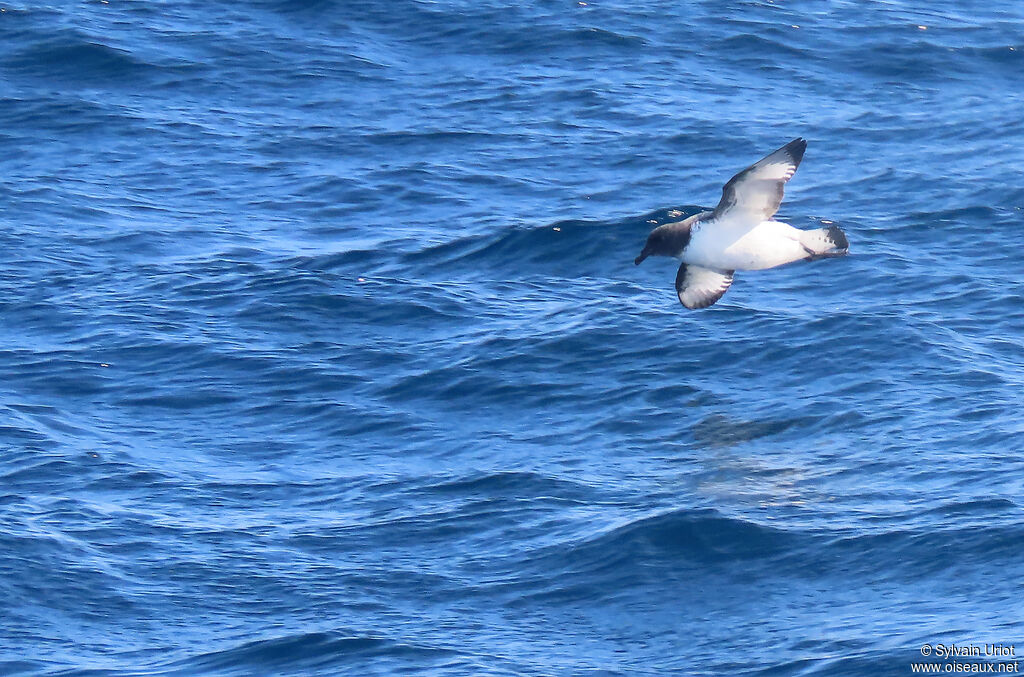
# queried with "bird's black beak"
point(640, 259)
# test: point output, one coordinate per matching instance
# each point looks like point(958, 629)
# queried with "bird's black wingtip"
point(795, 149)
point(838, 238)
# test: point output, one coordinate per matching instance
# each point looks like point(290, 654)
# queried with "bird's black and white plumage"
point(739, 234)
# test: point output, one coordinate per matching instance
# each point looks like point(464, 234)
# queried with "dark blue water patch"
point(772, 43)
point(67, 60)
point(354, 259)
point(699, 547)
point(565, 248)
point(318, 652)
point(21, 667)
point(700, 536)
point(512, 485)
point(684, 545)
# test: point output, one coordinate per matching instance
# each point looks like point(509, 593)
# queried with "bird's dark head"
point(663, 241)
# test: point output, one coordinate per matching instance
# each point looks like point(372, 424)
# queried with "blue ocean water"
point(323, 352)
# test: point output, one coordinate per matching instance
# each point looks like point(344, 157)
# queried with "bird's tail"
point(823, 242)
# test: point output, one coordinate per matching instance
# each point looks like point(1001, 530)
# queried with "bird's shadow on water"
point(741, 462)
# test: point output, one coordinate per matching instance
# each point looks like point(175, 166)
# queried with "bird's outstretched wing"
point(700, 287)
point(756, 192)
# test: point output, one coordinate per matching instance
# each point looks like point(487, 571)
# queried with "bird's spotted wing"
point(757, 191)
point(701, 287)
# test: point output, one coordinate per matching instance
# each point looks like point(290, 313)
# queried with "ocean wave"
point(78, 58)
point(563, 249)
point(314, 651)
point(702, 545)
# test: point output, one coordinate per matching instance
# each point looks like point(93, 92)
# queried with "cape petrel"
point(739, 234)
